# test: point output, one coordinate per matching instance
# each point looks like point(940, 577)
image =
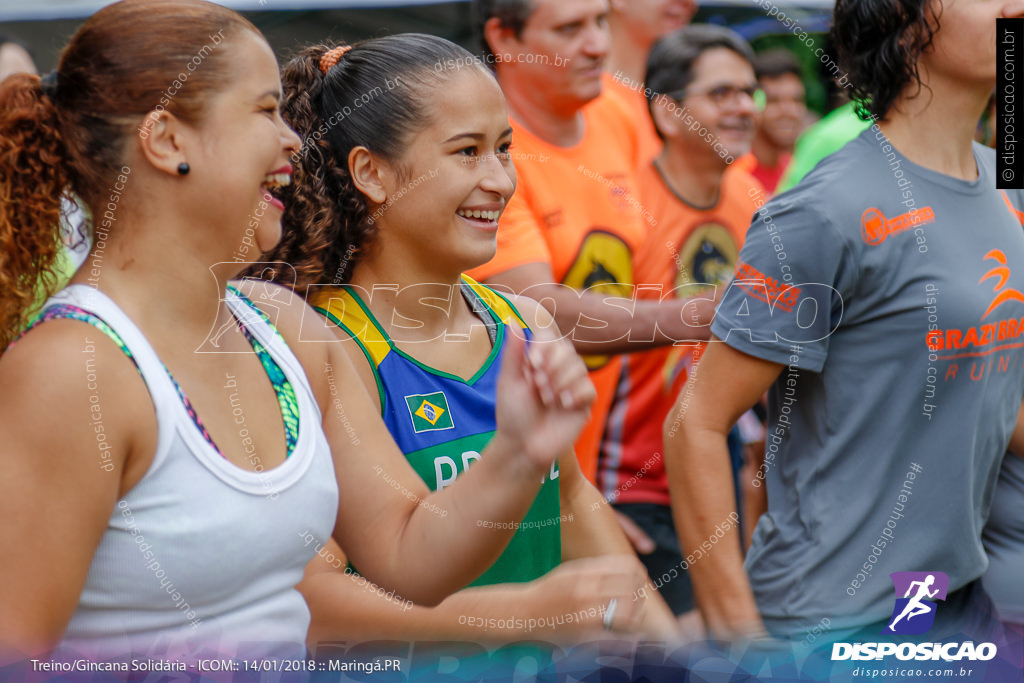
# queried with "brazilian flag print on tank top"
point(442, 423)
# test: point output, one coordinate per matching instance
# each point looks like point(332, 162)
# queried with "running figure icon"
point(915, 607)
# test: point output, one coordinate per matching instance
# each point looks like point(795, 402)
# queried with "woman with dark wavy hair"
point(170, 451)
point(398, 189)
point(879, 303)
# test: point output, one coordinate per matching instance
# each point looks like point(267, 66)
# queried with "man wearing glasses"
point(700, 88)
point(568, 235)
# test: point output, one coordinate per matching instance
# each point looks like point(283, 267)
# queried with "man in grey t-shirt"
point(897, 307)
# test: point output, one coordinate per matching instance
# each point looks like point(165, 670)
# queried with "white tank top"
point(201, 556)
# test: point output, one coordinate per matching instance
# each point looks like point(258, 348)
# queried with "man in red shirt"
point(702, 85)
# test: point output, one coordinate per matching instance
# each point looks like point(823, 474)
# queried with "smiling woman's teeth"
point(275, 180)
point(485, 215)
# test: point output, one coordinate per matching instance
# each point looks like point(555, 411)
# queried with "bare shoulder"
point(361, 362)
point(72, 400)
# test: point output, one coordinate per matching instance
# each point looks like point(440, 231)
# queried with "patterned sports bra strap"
point(286, 399)
point(263, 316)
point(72, 312)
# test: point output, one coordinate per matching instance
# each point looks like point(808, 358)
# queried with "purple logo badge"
point(916, 593)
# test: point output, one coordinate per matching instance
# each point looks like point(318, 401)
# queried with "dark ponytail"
point(879, 43)
point(325, 212)
point(375, 96)
point(33, 175)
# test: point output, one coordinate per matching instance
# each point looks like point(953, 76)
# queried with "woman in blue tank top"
point(160, 495)
point(393, 204)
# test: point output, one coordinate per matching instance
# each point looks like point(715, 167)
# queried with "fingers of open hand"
point(560, 375)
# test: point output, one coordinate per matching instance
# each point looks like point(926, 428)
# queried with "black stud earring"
point(183, 168)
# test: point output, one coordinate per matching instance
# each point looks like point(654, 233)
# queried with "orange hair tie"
point(332, 56)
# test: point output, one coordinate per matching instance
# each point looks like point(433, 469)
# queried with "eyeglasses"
point(723, 94)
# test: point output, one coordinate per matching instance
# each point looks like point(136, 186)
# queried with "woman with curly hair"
point(879, 303)
point(170, 450)
point(398, 190)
